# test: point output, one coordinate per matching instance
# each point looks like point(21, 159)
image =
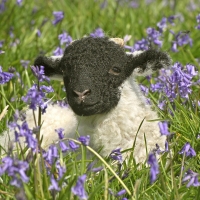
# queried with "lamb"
point(104, 100)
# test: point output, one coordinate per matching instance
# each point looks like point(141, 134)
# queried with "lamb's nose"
point(82, 95)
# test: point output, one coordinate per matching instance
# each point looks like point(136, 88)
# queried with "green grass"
point(117, 20)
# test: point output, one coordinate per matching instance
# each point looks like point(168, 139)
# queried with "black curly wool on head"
point(93, 70)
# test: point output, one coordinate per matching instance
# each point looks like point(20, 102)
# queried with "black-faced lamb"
point(104, 99)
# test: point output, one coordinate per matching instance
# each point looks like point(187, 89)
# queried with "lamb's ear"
point(143, 63)
point(51, 66)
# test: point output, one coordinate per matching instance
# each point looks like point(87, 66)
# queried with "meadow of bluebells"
point(64, 170)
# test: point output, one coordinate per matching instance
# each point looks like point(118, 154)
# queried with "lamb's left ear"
point(142, 63)
point(51, 66)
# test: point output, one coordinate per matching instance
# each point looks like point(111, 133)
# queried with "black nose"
point(81, 95)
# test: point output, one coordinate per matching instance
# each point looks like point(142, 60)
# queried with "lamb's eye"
point(115, 71)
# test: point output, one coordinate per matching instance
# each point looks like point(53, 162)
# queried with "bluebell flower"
point(116, 155)
point(90, 167)
point(96, 169)
point(54, 184)
point(171, 19)
point(24, 131)
point(163, 128)
point(51, 154)
point(198, 18)
point(64, 148)
point(134, 4)
point(154, 168)
point(15, 169)
point(61, 170)
point(188, 150)
point(73, 146)
point(60, 133)
point(181, 38)
point(162, 24)
point(144, 89)
point(19, 2)
point(78, 189)
point(1, 43)
point(58, 51)
point(38, 33)
point(39, 73)
point(121, 192)
point(198, 21)
point(5, 76)
point(192, 178)
point(65, 38)
point(174, 82)
point(35, 97)
point(142, 45)
point(159, 151)
point(85, 140)
point(154, 36)
point(97, 33)
point(2, 6)
point(58, 16)
point(62, 103)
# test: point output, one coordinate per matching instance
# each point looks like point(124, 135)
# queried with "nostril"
point(86, 92)
point(76, 93)
point(81, 94)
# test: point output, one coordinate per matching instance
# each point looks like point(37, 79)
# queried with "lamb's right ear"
point(51, 66)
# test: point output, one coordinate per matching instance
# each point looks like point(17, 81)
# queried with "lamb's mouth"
point(87, 109)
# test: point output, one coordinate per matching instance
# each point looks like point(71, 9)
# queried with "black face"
point(93, 69)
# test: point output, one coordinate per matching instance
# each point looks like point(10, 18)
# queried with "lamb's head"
point(93, 70)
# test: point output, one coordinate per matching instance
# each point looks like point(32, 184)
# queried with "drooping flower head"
point(198, 21)
point(154, 168)
point(35, 97)
point(58, 51)
point(163, 128)
point(39, 73)
point(54, 184)
point(85, 140)
point(65, 38)
point(73, 146)
point(19, 2)
point(174, 82)
point(58, 17)
point(78, 189)
point(192, 178)
point(154, 36)
point(5, 76)
point(180, 39)
point(16, 169)
point(97, 33)
point(116, 155)
point(60, 133)
point(188, 150)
